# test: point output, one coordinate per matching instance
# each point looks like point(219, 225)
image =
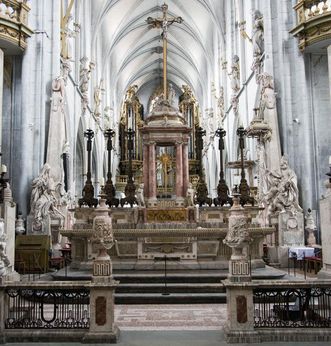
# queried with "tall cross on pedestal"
point(164, 23)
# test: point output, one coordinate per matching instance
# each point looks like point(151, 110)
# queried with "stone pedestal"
point(240, 313)
point(291, 229)
point(8, 213)
point(325, 210)
point(102, 326)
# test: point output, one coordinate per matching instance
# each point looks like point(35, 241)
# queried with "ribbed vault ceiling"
point(132, 51)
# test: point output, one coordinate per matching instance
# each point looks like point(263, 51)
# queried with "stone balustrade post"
point(240, 313)
point(102, 306)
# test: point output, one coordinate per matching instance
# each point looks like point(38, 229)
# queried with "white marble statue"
point(57, 132)
point(140, 195)
point(68, 32)
point(44, 198)
point(97, 99)
point(4, 261)
point(268, 113)
point(258, 42)
point(235, 74)
point(85, 70)
point(190, 193)
point(220, 107)
point(282, 194)
point(171, 95)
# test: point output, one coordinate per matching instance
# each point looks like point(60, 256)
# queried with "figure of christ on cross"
point(164, 23)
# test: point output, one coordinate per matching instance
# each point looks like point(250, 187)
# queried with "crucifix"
point(164, 23)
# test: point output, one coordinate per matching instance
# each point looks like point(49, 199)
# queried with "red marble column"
point(145, 170)
point(152, 171)
point(179, 169)
point(185, 169)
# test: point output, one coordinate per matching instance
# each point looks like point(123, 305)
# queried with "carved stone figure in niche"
point(140, 195)
point(43, 197)
point(258, 42)
point(282, 192)
point(235, 74)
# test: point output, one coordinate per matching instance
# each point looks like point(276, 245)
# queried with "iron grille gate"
point(47, 308)
point(292, 307)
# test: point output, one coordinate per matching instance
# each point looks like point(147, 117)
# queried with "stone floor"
point(175, 338)
point(171, 317)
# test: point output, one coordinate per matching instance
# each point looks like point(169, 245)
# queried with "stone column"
point(185, 169)
point(1, 95)
point(146, 170)
point(325, 210)
point(152, 176)
point(179, 174)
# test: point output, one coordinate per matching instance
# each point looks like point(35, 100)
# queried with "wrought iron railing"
point(47, 308)
point(292, 307)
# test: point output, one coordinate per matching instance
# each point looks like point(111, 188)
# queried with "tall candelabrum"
point(222, 189)
point(109, 188)
point(130, 188)
point(202, 191)
point(88, 190)
point(244, 189)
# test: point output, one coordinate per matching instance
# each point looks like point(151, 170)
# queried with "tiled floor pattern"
point(171, 317)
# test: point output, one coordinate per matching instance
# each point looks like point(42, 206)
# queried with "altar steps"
point(182, 286)
point(189, 287)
